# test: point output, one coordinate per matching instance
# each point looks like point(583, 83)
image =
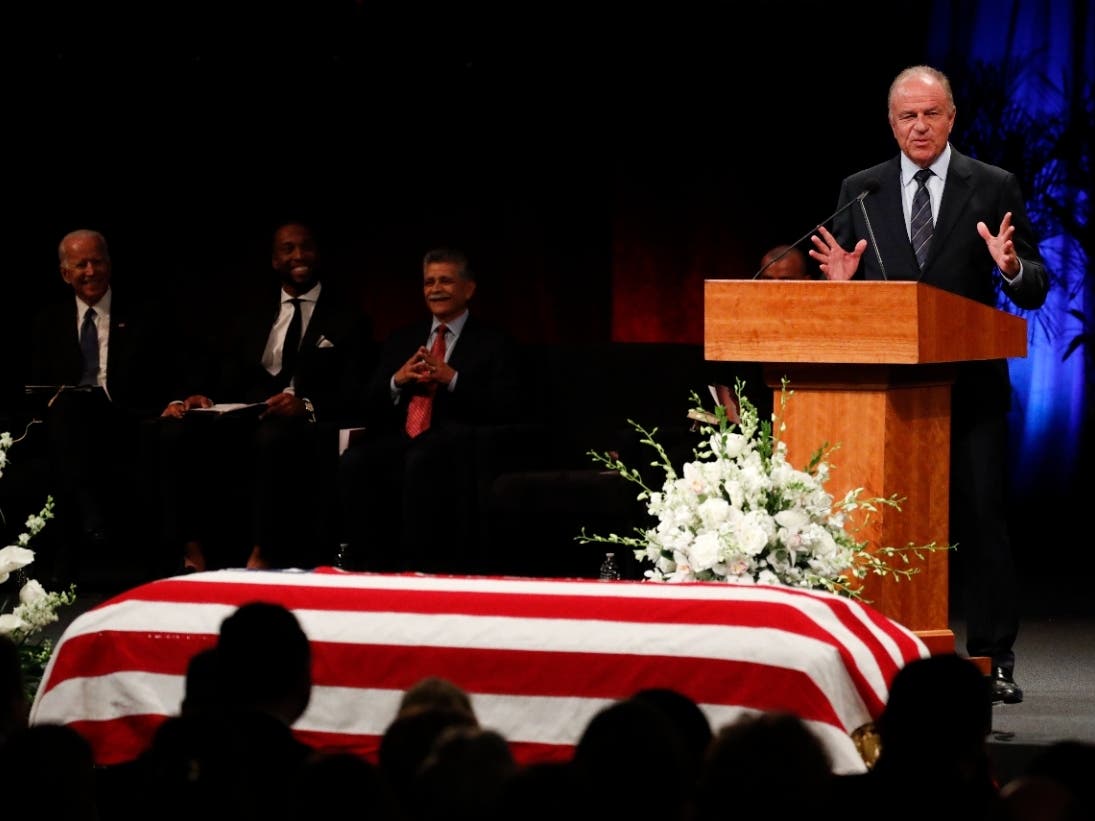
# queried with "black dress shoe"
point(1004, 688)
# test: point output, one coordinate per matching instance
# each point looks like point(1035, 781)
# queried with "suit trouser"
point(97, 474)
point(233, 483)
point(409, 504)
point(979, 527)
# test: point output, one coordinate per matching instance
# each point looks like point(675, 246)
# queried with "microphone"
point(869, 188)
point(872, 185)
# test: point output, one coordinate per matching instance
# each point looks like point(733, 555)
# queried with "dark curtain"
point(1024, 82)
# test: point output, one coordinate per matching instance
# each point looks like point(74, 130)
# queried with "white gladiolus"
point(37, 607)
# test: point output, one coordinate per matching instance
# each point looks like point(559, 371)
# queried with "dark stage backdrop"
point(597, 164)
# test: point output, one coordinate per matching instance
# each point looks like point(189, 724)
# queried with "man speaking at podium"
point(930, 214)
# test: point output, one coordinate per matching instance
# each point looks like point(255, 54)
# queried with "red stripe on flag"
point(118, 740)
point(581, 675)
point(99, 654)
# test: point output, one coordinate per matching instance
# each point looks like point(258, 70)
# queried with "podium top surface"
point(876, 322)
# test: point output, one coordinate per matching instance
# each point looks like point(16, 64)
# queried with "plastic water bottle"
point(341, 556)
point(610, 571)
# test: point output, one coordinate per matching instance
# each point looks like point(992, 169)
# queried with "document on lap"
point(233, 408)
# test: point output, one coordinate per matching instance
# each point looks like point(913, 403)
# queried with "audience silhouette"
point(687, 718)
point(231, 753)
point(232, 740)
point(434, 691)
point(49, 772)
point(620, 742)
point(933, 744)
point(1056, 785)
point(786, 768)
point(408, 742)
point(463, 776)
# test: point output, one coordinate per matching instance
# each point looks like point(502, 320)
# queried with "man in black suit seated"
point(279, 462)
point(107, 360)
point(409, 484)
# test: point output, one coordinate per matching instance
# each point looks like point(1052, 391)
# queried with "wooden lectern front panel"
point(888, 440)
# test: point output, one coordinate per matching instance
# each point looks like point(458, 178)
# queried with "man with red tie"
point(408, 484)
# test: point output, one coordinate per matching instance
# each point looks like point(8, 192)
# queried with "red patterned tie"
point(420, 407)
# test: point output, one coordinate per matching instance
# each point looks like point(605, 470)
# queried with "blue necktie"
point(920, 226)
point(89, 346)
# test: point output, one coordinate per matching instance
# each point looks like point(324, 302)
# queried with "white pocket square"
point(324, 342)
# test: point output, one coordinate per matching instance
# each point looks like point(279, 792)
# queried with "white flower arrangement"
point(741, 513)
point(37, 607)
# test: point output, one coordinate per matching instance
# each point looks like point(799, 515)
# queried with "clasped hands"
point(836, 263)
point(424, 368)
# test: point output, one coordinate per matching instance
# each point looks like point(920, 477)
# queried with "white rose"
point(12, 558)
point(705, 551)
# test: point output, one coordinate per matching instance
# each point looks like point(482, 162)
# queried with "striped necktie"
point(920, 226)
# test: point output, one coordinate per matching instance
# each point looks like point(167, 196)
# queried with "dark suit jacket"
point(488, 390)
point(959, 260)
point(142, 363)
point(337, 346)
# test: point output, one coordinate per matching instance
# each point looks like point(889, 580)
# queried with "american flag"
point(539, 657)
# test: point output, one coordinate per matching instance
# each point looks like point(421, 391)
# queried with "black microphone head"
point(869, 187)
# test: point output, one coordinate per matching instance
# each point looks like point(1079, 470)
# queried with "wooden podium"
point(870, 365)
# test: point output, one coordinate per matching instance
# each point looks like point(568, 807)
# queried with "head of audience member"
point(264, 661)
point(464, 775)
point(921, 113)
point(1058, 778)
point(686, 716)
point(448, 283)
point(51, 771)
point(937, 703)
point(295, 258)
point(434, 691)
point(936, 721)
point(786, 766)
point(784, 262)
point(620, 741)
point(408, 741)
point(85, 264)
point(939, 709)
point(202, 690)
point(1038, 798)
